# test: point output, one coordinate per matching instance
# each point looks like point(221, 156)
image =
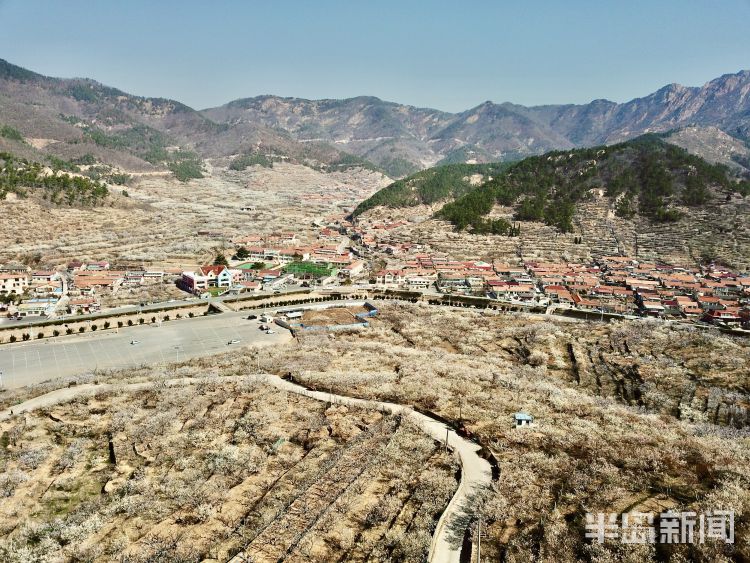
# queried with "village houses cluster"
point(611, 284)
point(614, 284)
point(261, 262)
point(71, 289)
point(271, 261)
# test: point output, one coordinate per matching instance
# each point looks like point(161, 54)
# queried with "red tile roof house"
point(218, 276)
point(327, 233)
point(269, 276)
point(622, 293)
point(281, 238)
point(692, 310)
point(558, 294)
point(353, 269)
point(602, 291)
point(510, 290)
point(336, 261)
point(721, 317)
point(47, 288)
point(44, 276)
point(637, 283)
point(709, 303)
point(609, 305)
point(583, 303)
point(83, 305)
point(248, 239)
point(389, 277)
point(687, 305)
point(250, 286)
point(653, 308)
point(672, 307)
point(449, 281)
point(87, 282)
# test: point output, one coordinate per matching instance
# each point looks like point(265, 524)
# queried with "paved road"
point(159, 306)
point(476, 473)
point(24, 363)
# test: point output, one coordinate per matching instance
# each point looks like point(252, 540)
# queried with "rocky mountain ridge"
point(70, 118)
point(376, 130)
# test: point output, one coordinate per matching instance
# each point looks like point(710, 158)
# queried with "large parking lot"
point(24, 363)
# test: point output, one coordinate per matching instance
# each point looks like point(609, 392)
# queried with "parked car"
point(252, 317)
point(233, 341)
point(269, 331)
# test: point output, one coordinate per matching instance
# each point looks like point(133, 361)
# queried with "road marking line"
point(76, 347)
point(93, 355)
point(57, 363)
point(109, 357)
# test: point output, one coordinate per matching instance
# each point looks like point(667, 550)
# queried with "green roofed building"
point(308, 270)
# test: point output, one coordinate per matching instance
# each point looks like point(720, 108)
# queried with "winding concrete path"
point(476, 473)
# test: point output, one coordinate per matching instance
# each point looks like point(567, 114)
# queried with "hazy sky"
point(447, 55)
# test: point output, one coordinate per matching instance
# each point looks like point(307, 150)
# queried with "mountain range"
point(72, 117)
point(382, 131)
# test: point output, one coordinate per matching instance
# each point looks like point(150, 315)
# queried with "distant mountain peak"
point(399, 138)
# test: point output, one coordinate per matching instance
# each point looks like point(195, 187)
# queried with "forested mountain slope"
point(433, 185)
point(645, 176)
point(645, 198)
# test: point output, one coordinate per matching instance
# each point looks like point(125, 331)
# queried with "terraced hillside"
point(643, 197)
point(160, 219)
point(216, 469)
point(631, 416)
